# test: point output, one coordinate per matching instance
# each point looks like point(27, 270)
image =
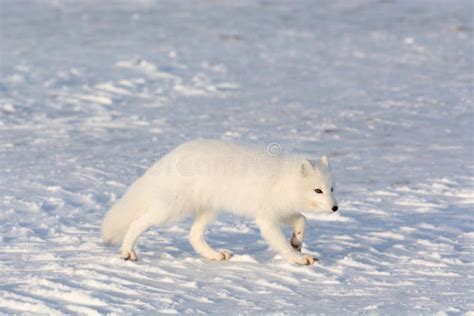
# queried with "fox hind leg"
point(199, 244)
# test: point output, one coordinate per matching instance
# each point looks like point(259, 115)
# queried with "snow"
point(92, 93)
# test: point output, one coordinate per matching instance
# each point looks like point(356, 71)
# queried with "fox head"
point(316, 187)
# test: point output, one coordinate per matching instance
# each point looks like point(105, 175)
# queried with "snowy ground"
point(91, 93)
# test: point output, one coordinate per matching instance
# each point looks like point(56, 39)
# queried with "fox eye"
point(332, 189)
point(319, 191)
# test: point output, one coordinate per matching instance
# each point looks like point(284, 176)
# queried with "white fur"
point(203, 177)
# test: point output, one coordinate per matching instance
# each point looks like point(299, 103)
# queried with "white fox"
point(203, 177)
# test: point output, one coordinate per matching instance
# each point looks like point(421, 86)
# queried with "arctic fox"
point(203, 177)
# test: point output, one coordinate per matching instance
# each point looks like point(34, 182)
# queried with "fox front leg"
point(271, 231)
point(297, 222)
point(137, 227)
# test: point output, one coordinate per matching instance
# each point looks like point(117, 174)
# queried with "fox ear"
point(324, 161)
point(305, 168)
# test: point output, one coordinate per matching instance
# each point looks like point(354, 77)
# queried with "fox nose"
point(335, 208)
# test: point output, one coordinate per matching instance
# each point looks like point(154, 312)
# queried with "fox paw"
point(306, 260)
point(128, 255)
point(222, 256)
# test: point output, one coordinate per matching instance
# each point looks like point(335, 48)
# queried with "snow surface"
point(92, 93)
